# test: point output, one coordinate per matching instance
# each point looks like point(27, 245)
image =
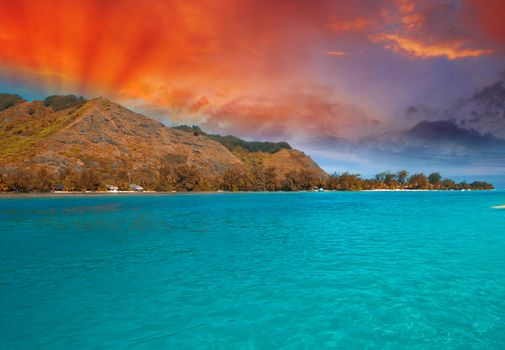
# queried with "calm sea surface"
point(416, 270)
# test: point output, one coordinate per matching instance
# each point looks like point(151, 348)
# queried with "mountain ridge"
point(482, 111)
point(62, 133)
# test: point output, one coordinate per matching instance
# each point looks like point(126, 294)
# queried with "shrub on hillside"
point(232, 142)
point(60, 102)
point(9, 100)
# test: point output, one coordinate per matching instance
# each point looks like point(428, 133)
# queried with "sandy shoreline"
point(134, 193)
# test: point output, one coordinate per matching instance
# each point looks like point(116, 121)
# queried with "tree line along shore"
point(185, 178)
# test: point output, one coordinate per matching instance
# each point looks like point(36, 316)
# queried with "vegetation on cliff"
point(60, 102)
point(9, 100)
point(232, 142)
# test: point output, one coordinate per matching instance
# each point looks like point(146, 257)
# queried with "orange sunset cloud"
point(186, 60)
point(418, 49)
point(336, 53)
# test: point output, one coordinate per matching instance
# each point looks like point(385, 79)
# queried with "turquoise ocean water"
point(416, 270)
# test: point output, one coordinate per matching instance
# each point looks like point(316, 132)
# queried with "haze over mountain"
point(483, 111)
point(469, 131)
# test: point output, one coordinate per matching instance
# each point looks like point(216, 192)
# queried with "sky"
point(358, 85)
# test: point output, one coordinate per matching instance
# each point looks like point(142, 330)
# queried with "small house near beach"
point(136, 188)
point(111, 188)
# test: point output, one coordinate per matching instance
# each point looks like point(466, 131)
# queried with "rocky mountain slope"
point(484, 111)
point(99, 134)
point(278, 155)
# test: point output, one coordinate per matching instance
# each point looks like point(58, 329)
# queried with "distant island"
point(69, 143)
